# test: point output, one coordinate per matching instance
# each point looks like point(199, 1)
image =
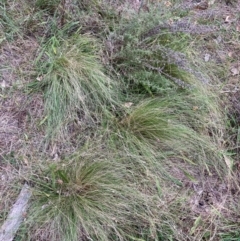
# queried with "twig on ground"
point(16, 215)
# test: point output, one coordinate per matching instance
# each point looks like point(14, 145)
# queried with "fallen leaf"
point(56, 157)
point(167, 3)
point(228, 19)
point(54, 149)
point(235, 71)
point(171, 21)
point(59, 181)
point(3, 84)
point(39, 78)
point(25, 161)
point(228, 162)
point(207, 57)
point(128, 104)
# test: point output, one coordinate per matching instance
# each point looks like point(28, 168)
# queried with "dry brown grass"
point(17, 61)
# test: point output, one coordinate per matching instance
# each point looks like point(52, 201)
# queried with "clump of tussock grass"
point(162, 128)
point(91, 196)
point(73, 82)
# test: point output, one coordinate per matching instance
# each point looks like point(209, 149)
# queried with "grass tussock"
point(73, 81)
point(87, 197)
point(160, 129)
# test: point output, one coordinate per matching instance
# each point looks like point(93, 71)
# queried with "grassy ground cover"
point(122, 117)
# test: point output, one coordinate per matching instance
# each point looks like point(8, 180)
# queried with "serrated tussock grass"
point(89, 197)
point(168, 124)
point(73, 82)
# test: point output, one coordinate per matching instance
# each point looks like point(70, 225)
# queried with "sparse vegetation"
point(141, 142)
